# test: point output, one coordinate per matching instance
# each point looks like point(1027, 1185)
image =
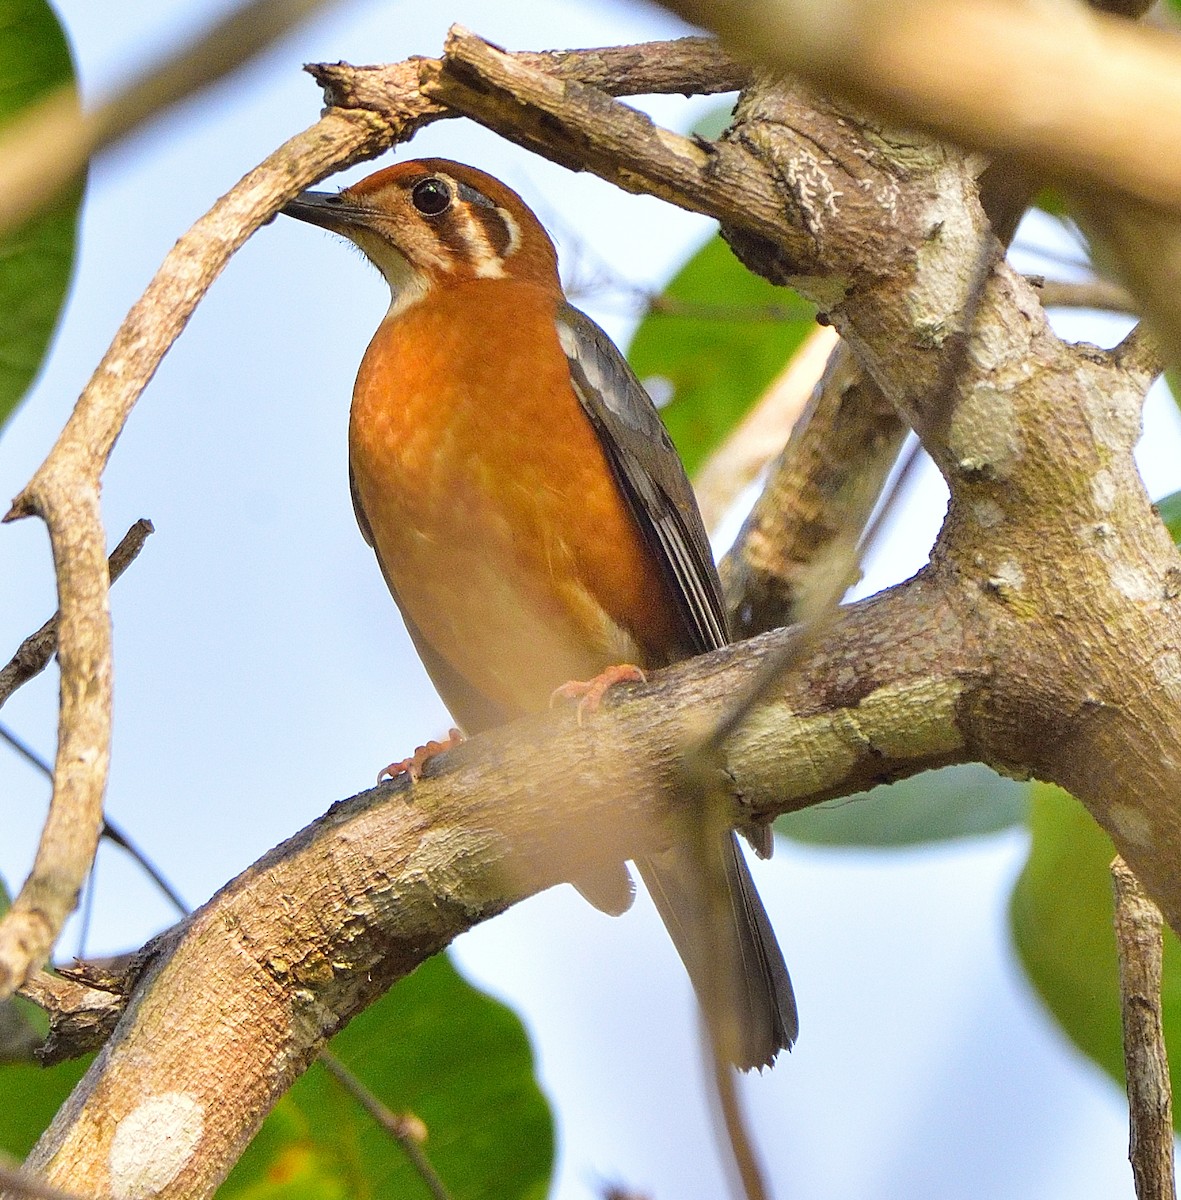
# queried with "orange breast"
point(493, 508)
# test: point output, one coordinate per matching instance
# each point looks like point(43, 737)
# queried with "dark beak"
point(329, 210)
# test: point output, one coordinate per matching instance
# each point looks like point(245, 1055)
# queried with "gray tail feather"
point(729, 949)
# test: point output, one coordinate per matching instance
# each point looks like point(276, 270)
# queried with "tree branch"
point(65, 492)
point(1150, 1096)
point(253, 982)
point(52, 142)
point(1042, 637)
point(33, 654)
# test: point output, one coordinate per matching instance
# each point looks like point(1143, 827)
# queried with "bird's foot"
point(590, 692)
point(414, 765)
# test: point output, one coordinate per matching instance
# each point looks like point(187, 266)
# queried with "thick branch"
point(288, 952)
point(1064, 86)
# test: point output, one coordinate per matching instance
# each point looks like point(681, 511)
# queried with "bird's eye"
point(431, 197)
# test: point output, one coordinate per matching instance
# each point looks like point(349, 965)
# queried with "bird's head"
point(432, 223)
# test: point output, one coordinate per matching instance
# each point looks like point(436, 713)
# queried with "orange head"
point(432, 223)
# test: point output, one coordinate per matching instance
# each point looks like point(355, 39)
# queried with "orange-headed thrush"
point(528, 510)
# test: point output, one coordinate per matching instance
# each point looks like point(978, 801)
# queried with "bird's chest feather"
point(494, 512)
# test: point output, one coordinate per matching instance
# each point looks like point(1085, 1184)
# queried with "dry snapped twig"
point(1150, 1098)
point(33, 654)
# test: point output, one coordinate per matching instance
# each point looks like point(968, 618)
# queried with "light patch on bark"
point(1131, 823)
point(988, 513)
point(985, 436)
point(1103, 490)
point(153, 1144)
point(1007, 578)
point(1114, 413)
point(938, 300)
point(1167, 670)
point(920, 713)
point(1133, 583)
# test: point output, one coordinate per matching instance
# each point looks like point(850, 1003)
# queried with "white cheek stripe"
point(486, 263)
point(514, 232)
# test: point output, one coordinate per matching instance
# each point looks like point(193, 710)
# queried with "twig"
point(750, 1171)
point(405, 1128)
point(33, 654)
point(1150, 1099)
point(691, 66)
point(111, 831)
point(1140, 353)
point(1102, 294)
point(580, 127)
point(51, 143)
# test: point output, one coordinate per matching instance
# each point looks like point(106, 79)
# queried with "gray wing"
point(649, 471)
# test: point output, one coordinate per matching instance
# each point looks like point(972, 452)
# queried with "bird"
point(532, 519)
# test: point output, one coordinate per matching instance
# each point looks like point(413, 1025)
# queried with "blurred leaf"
point(712, 124)
point(29, 1098)
point(1170, 512)
point(433, 1046)
point(1173, 383)
point(21, 1032)
point(1061, 918)
point(721, 336)
point(1050, 200)
point(36, 260)
point(936, 806)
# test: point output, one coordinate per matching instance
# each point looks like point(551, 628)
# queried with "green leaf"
point(37, 259)
point(1049, 200)
point(721, 335)
point(955, 802)
point(1170, 512)
point(22, 1025)
point(29, 1098)
point(435, 1047)
point(1061, 920)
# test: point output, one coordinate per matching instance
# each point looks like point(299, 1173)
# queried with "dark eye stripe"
point(473, 196)
point(496, 229)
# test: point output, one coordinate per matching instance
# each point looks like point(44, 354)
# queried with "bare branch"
point(477, 833)
point(1064, 86)
point(690, 66)
point(33, 654)
point(1088, 293)
point(51, 143)
point(800, 540)
point(1150, 1098)
point(581, 128)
